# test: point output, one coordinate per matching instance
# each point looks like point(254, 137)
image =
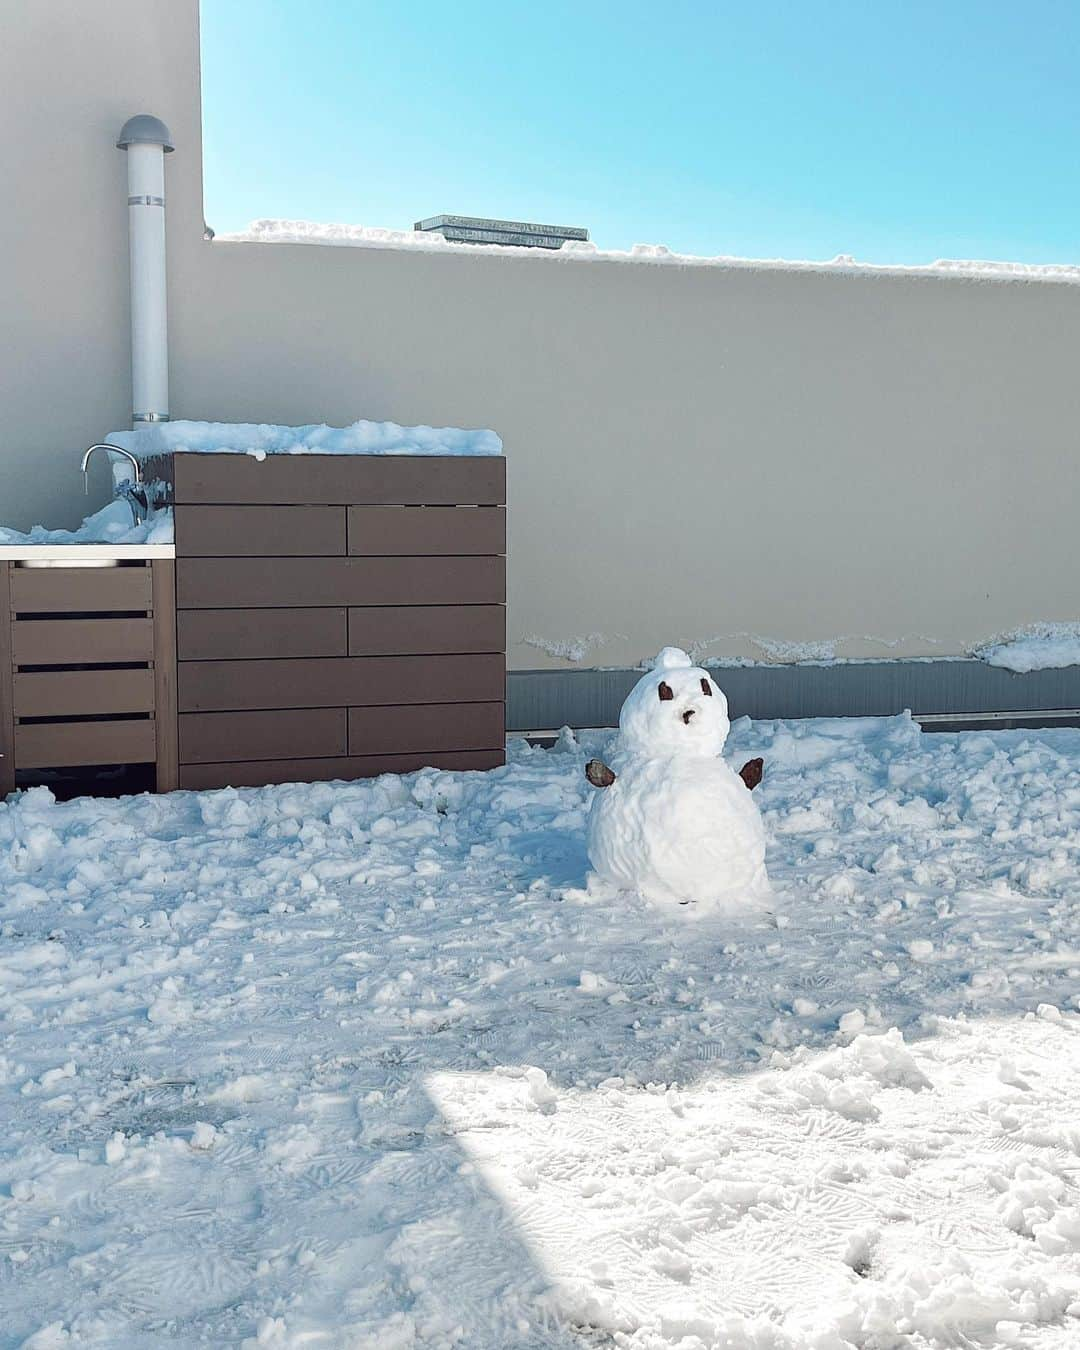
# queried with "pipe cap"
point(145, 130)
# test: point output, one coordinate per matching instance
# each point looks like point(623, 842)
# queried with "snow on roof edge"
point(271, 231)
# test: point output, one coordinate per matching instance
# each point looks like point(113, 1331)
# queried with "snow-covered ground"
point(364, 1065)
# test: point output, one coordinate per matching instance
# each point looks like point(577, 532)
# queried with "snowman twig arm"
point(598, 773)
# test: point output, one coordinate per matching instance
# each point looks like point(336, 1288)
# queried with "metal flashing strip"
point(936, 693)
point(82, 555)
point(146, 200)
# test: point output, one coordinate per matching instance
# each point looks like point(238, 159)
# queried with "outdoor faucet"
point(133, 493)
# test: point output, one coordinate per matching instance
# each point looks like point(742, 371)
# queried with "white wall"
point(694, 452)
point(71, 73)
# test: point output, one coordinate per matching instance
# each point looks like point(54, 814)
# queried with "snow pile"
point(260, 440)
point(349, 1065)
point(271, 231)
point(672, 820)
point(1047, 646)
point(111, 525)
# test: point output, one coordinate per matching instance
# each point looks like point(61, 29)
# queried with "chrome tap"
point(134, 493)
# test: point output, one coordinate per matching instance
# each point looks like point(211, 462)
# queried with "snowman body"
point(678, 825)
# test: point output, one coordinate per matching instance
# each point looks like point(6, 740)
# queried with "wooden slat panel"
point(49, 745)
point(346, 480)
point(427, 530)
point(426, 726)
point(307, 732)
point(242, 634)
point(7, 698)
point(166, 765)
point(242, 583)
point(348, 681)
point(388, 631)
point(200, 777)
point(259, 531)
point(52, 590)
point(69, 642)
point(69, 693)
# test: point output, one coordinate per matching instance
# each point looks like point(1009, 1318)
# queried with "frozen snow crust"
point(261, 439)
point(361, 1066)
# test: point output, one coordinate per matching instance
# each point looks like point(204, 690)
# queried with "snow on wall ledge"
point(269, 231)
point(262, 439)
point(1041, 646)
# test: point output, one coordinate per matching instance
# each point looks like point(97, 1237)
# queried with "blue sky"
point(897, 132)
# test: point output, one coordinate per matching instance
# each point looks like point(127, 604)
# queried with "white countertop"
point(83, 552)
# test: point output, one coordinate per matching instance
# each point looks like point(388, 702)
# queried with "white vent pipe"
point(147, 141)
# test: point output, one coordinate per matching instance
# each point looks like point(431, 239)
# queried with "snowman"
point(673, 821)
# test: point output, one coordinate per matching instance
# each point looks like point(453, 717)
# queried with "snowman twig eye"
point(665, 691)
point(706, 687)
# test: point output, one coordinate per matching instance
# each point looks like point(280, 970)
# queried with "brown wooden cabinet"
point(88, 668)
point(338, 616)
point(325, 617)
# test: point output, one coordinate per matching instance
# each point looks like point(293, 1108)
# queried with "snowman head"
point(675, 709)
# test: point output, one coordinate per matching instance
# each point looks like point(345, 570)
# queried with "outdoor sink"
point(133, 514)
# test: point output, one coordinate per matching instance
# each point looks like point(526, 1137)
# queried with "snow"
point(111, 525)
point(362, 1065)
point(260, 440)
point(1047, 646)
point(572, 649)
point(274, 231)
point(676, 824)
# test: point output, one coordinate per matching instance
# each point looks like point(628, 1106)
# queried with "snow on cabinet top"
point(362, 236)
point(261, 439)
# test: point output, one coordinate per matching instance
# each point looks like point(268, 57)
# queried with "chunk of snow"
point(700, 1123)
point(203, 1136)
point(541, 1094)
point(1046, 646)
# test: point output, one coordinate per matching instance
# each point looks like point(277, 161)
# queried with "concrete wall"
point(697, 454)
point(71, 73)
